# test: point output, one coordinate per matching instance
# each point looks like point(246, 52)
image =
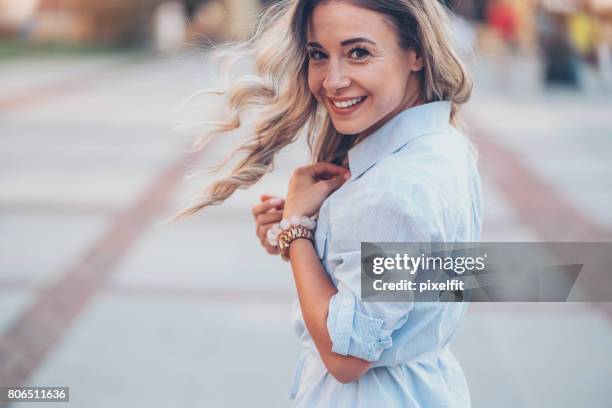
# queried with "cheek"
point(392, 90)
point(314, 83)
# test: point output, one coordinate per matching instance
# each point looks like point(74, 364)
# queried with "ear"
point(415, 61)
point(418, 63)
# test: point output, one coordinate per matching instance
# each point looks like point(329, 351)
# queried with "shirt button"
point(347, 302)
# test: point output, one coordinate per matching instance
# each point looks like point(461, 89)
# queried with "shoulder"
point(395, 211)
point(435, 167)
point(435, 155)
point(412, 193)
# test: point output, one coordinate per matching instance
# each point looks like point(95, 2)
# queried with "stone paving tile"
point(37, 248)
point(158, 353)
point(533, 355)
point(12, 304)
point(501, 222)
point(204, 253)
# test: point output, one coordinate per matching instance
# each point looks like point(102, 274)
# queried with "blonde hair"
point(278, 89)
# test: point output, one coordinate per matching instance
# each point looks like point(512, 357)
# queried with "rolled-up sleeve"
point(365, 329)
point(353, 332)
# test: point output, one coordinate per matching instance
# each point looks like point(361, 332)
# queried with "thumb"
point(334, 182)
point(324, 170)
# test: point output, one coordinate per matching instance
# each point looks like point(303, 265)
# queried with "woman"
point(377, 87)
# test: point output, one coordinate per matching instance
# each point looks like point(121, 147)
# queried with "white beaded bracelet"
point(286, 223)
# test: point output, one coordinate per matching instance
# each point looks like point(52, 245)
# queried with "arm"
point(308, 188)
point(344, 368)
point(315, 292)
point(350, 335)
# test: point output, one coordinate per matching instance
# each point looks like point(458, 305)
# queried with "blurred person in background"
point(501, 16)
point(377, 87)
point(581, 30)
point(497, 38)
point(480, 10)
point(561, 65)
point(592, 35)
point(604, 53)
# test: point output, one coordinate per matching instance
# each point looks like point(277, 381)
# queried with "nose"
point(335, 78)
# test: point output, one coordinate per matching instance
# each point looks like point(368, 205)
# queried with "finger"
point(327, 170)
point(333, 183)
point(267, 205)
point(272, 250)
point(265, 197)
point(262, 231)
point(269, 217)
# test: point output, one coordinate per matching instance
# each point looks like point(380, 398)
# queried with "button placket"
point(321, 232)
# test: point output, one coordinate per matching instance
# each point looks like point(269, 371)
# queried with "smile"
point(350, 103)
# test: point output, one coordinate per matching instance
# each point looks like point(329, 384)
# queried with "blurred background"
point(98, 293)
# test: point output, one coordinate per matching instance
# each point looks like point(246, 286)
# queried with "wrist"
point(291, 228)
point(292, 208)
point(289, 212)
point(287, 223)
point(288, 236)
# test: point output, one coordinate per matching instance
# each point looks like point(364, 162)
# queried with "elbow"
point(348, 369)
point(345, 378)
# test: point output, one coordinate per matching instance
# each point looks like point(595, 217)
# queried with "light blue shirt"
point(413, 180)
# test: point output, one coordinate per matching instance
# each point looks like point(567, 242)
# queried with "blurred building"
point(503, 25)
point(122, 22)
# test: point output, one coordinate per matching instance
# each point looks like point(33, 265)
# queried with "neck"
point(410, 101)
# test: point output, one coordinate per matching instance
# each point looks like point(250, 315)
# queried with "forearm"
point(314, 292)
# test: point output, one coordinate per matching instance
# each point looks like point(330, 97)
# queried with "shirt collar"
point(396, 133)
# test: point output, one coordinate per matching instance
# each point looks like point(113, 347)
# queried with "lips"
point(348, 103)
point(345, 106)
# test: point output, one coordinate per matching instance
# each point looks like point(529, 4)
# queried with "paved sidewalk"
point(98, 294)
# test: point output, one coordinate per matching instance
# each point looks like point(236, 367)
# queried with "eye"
point(359, 53)
point(316, 55)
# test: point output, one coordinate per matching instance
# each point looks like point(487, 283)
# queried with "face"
point(357, 69)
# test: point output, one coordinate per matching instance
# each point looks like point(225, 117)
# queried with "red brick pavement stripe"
point(539, 205)
point(29, 339)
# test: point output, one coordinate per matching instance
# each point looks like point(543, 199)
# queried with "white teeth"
point(348, 104)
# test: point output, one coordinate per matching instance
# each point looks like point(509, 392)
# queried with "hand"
point(267, 213)
point(310, 185)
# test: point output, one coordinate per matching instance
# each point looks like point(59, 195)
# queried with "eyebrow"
point(344, 43)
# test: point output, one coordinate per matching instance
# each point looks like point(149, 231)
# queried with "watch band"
point(285, 237)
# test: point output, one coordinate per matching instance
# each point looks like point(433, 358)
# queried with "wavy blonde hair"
point(278, 89)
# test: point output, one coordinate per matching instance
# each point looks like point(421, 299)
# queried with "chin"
point(348, 128)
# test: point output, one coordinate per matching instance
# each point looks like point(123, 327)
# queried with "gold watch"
point(285, 237)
